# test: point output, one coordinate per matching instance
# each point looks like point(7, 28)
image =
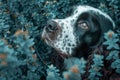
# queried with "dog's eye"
point(83, 25)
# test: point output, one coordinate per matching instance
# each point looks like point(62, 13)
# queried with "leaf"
point(113, 55)
point(111, 40)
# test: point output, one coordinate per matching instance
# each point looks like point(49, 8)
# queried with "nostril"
point(51, 26)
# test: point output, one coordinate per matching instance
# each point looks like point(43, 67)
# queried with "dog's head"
point(85, 25)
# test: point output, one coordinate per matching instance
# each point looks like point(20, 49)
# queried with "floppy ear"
point(106, 24)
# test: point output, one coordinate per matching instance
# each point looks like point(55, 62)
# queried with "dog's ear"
point(105, 24)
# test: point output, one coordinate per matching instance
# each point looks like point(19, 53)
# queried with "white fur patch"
point(66, 40)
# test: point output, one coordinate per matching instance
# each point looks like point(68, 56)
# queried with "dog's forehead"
point(81, 9)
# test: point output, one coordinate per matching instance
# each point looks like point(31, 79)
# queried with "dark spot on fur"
point(62, 24)
point(60, 35)
point(66, 36)
point(62, 47)
point(67, 49)
point(73, 45)
point(73, 20)
point(69, 44)
point(76, 11)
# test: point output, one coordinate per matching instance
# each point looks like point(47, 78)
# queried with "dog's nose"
point(51, 26)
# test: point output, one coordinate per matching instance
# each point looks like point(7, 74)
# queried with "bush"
point(24, 56)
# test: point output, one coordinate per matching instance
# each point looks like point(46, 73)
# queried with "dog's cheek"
point(88, 39)
point(79, 35)
point(92, 39)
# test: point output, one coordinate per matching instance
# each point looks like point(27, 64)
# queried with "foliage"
point(52, 73)
point(116, 65)
point(18, 58)
point(111, 40)
point(115, 49)
point(24, 56)
point(75, 68)
point(96, 67)
point(71, 62)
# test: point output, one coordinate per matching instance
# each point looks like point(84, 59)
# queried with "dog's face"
point(85, 25)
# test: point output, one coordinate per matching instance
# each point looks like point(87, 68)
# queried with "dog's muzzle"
point(51, 26)
point(51, 31)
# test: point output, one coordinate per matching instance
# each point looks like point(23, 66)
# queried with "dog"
point(82, 30)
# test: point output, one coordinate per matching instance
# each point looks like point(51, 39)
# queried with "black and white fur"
point(70, 35)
